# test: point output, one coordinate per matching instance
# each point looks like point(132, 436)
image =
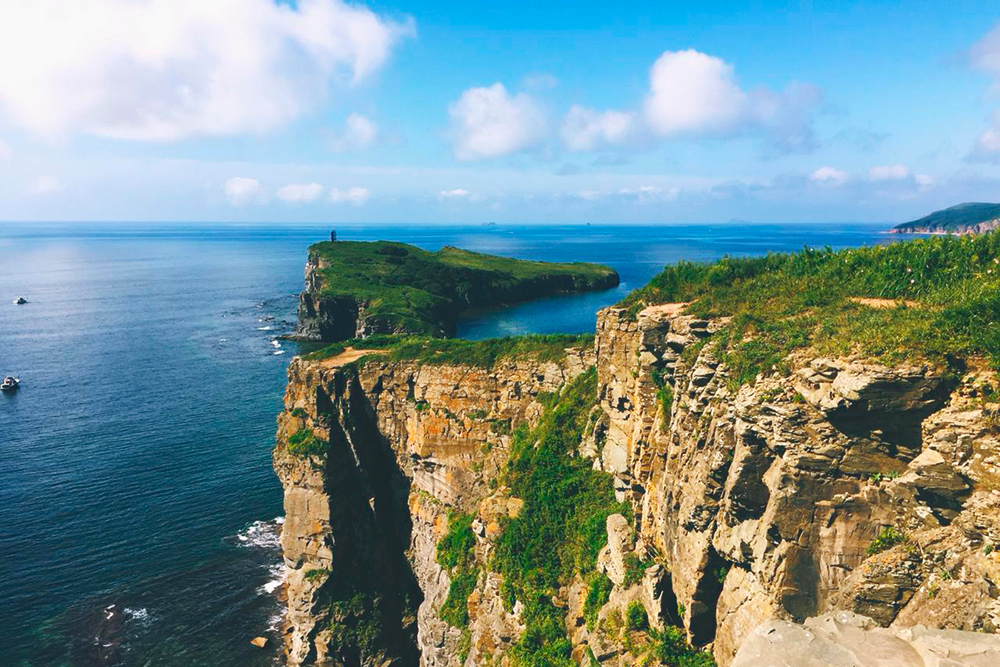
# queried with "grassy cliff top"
point(935, 299)
point(417, 289)
point(954, 219)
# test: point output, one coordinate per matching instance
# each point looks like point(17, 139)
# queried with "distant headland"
point(969, 218)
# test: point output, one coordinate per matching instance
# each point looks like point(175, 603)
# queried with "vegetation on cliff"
point(562, 526)
point(404, 289)
point(953, 220)
point(480, 353)
point(935, 299)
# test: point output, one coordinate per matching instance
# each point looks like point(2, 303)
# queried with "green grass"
point(481, 353)
point(783, 302)
point(635, 617)
point(670, 647)
point(561, 528)
point(419, 292)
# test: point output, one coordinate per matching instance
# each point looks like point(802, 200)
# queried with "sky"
point(436, 111)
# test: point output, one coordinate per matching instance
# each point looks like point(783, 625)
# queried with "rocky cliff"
point(830, 484)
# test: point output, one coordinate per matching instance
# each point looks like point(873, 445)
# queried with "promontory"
point(358, 289)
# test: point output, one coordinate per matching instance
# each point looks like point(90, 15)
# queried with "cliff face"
point(836, 484)
point(406, 444)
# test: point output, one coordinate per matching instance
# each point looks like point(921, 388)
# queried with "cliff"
point(659, 495)
point(971, 218)
point(356, 290)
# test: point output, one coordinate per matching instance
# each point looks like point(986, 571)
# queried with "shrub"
point(317, 574)
point(598, 591)
point(887, 539)
point(635, 617)
point(300, 413)
point(668, 647)
point(456, 554)
point(304, 443)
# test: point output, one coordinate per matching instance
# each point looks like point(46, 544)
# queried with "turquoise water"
point(138, 509)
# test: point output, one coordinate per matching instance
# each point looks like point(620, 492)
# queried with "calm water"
point(138, 509)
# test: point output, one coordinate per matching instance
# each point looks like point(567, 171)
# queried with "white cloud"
point(243, 191)
point(6, 152)
point(457, 193)
point(356, 196)
point(359, 132)
point(829, 176)
point(169, 69)
point(693, 93)
point(489, 122)
point(299, 193)
point(585, 129)
point(645, 194)
point(46, 185)
point(892, 172)
point(924, 180)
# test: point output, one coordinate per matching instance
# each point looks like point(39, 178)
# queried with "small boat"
point(10, 384)
point(20, 301)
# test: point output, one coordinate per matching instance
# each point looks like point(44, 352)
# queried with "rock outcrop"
point(827, 485)
point(846, 639)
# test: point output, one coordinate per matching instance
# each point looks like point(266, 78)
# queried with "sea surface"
point(138, 511)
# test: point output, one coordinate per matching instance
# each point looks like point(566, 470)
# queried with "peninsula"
point(970, 218)
point(359, 289)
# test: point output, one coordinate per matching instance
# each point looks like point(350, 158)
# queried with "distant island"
point(970, 218)
point(359, 289)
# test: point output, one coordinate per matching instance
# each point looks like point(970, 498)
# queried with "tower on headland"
point(333, 234)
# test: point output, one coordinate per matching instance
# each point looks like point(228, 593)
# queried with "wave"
point(262, 534)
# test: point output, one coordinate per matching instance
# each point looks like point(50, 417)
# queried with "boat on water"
point(20, 301)
point(10, 384)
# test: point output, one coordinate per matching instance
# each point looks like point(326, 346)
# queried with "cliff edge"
point(751, 442)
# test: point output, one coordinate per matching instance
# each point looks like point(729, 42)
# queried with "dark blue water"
point(137, 503)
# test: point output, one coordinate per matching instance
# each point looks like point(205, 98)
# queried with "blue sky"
point(246, 110)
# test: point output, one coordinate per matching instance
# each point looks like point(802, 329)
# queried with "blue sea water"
point(138, 509)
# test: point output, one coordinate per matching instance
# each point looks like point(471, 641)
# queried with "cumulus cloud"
point(489, 122)
point(299, 193)
point(693, 93)
point(892, 172)
point(169, 69)
point(457, 193)
point(829, 176)
point(242, 191)
point(359, 132)
point(356, 196)
point(585, 129)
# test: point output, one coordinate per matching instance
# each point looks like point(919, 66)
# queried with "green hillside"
point(954, 220)
point(419, 292)
point(939, 301)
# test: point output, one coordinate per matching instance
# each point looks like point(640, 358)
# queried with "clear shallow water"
point(137, 501)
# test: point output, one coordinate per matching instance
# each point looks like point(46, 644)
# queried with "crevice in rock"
point(705, 599)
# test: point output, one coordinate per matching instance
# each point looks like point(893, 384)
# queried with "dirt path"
point(883, 304)
point(346, 357)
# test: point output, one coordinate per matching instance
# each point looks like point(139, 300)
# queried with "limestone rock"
point(845, 639)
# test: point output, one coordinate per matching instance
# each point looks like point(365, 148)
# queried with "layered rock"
point(829, 484)
point(764, 500)
point(406, 444)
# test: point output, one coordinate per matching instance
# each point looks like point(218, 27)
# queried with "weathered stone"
point(845, 639)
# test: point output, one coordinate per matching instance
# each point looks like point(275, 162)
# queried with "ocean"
point(138, 511)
